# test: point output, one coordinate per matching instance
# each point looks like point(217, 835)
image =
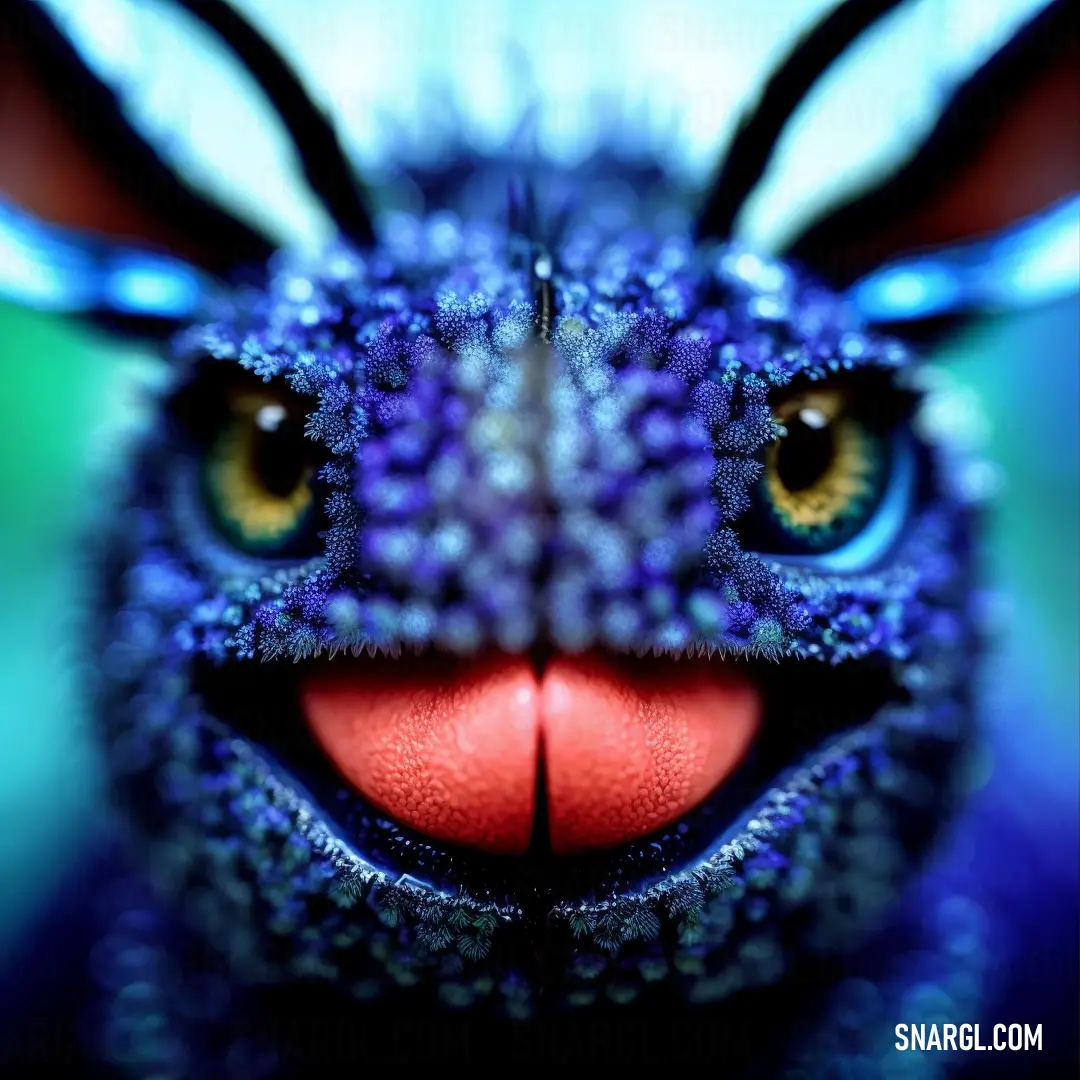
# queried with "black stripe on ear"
point(218, 240)
point(847, 242)
point(754, 142)
point(325, 164)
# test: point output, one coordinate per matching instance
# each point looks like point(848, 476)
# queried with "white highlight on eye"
point(270, 417)
point(813, 418)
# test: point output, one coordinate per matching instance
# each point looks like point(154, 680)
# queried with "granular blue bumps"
point(410, 367)
point(483, 484)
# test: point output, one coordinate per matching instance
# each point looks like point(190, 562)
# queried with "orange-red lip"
point(453, 749)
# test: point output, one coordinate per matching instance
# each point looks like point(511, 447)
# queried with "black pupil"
point(806, 452)
point(279, 454)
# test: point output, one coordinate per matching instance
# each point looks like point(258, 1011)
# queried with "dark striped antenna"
point(325, 164)
point(755, 141)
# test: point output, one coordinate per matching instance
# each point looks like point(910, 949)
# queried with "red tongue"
point(631, 748)
point(453, 750)
point(449, 749)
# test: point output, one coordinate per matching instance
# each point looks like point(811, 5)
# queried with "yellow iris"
point(839, 480)
point(255, 512)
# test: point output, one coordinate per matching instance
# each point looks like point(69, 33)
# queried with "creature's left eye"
point(258, 472)
point(828, 476)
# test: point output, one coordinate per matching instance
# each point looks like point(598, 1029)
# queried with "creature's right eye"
point(257, 469)
point(838, 484)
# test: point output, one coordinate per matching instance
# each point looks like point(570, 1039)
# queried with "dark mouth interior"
point(805, 701)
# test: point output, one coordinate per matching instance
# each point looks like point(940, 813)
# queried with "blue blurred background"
point(678, 75)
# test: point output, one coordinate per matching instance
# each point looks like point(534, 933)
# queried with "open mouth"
point(542, 778)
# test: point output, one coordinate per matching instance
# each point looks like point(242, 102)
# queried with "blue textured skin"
point(455, 436)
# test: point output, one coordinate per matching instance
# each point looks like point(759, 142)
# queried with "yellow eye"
point(823, 476)
point(258, 475)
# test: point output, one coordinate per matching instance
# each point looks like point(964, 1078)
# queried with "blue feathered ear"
point(1034, 261)
point(124, 238)
point(1002, 150)
point(59, 119)
point(983, 216)
point(53, 268)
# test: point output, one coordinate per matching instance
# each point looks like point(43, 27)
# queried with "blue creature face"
point(459, 445)
point(529, 600)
